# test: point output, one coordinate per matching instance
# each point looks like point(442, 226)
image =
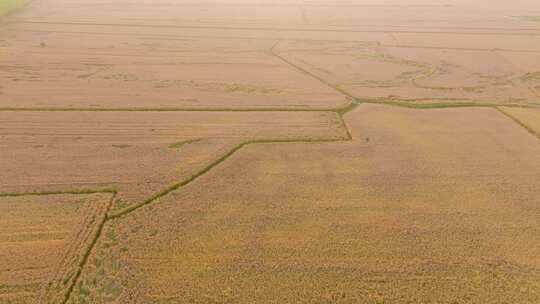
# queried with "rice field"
point(269, 152)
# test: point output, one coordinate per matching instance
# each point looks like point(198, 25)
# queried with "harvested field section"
point(527, 117)
point(42, 241)
point(421, 207)
point(137, 153)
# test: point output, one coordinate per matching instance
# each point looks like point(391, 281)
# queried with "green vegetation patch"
point(121, 146)
point(250, 89)
point(420, 70)
point(236, 88)
point(379, 56)
point(7, 6)
point(527, 18)
point(180, 144)
point(534, 76)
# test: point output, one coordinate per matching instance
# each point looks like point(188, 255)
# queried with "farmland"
point(44, 239)
point(137, 153)
point(269, 152)
point(528, 118)
point(362, 224)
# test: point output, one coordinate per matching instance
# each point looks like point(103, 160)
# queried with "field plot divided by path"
point(432, 205)
point(136, 153)
point(118, 64)
point(380, 72)
point(42, 242)
point(212, 136)
point(528, 118)
point(218, 54)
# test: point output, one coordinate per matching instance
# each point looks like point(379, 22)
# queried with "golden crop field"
point(289, 151)
point(44, 239)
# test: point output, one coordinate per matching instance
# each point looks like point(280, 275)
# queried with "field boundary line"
point(275, 29)
point(391, 102)
point(88, 251)
point(520, 123)
point(215, 163)
point(45, 293)
point(67, 192)
point(413, 104)
point(340, 112)
point(428, 106)
point(304, 71)
point(173, 109)
point(387, 101)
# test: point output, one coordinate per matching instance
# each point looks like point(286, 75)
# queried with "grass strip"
point(210, 167)
point(441, 105)
point(167, 109)
point(80, 191)
point(8, 6)
point(180, 144)
point(88, 251)
point(340, 112)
